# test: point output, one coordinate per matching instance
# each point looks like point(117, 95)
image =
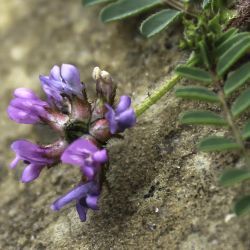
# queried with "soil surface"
point(163, 193)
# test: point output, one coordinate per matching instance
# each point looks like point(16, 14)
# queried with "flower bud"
point(100, 130)
point(105, 87)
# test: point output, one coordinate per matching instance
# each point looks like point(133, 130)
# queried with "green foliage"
point(225, 36)
point(237, 78)
point(217, 143)
point(241, 103)
point(158, 21)
point(246, 131)
point(197, 93)
point(229, 42)
point(93, 2)
point(194, 73)
point(222, 56)
point(202, 118)
point(234, 176)
point(124, 8)
point(242, 206)
point(233, 54)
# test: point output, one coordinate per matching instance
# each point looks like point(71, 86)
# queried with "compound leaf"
point(237, 78)
point(225, 36)
point(197, 93)
point(232, 55)
point(202, 118)
point(227, 44)
point(158, 21)
point(92, 2)
point(242, 206)
point(233, 176)
point(194, 73)
point(241, 103)
point(217, 143)
point(125, 8)
point(246, 130)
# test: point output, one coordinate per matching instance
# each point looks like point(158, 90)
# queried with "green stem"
point(161, 91)
point(156, 95)
point(234, 128)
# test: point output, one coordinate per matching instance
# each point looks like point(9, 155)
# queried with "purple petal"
point(25, 93)
point(55, 73)
point(20, 116)
point(81, 147)
point(14, 163)
point(69, 157)
point(100, 156)
point(74, 194)
point(31, 172)
point(110, 116)
point(82, 211)
point(28, 151)
point(92, 201)
point(24, 146)
point(71, 75)
point(89, 172)
point(124, 103)
point(127, 119)
point(51, 83)
point(53, 94)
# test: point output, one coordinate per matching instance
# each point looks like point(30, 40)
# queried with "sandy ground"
point(164, 195)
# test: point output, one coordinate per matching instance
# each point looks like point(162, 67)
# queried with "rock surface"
point(163, 194)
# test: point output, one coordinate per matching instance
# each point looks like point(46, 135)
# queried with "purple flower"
point(32, 155)
point(86, 196)
point(64, 80)
point(122, 117)
point(86, 155)
point(27, 107)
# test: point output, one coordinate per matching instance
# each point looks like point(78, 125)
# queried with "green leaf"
point(197, 93)
point(233, 176)
point(194, 73)
point(231, 41)
point(92, 2)
point(158, 21)
point(214, 24)
point(241, 103)
point(205, 3)
point(242, 206)
point(217, 143)
point(126, 8)
point(204, 53)
point(202, 118)
point(225, 35)
point(246, 130)
point(237, 79)
point(217, 5)
point(232, 55)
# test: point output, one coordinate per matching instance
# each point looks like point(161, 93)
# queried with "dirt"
point(163, 193)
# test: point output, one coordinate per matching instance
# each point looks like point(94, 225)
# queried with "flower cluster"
point(84, 129)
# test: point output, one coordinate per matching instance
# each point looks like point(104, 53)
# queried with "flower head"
point(86, 155)
point(27, 107)
point(86, 196)
point(122, 117)
point(35, 157)
point(64, 80)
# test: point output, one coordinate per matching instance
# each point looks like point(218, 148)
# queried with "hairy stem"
point(161, 91)
point(156, 95)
